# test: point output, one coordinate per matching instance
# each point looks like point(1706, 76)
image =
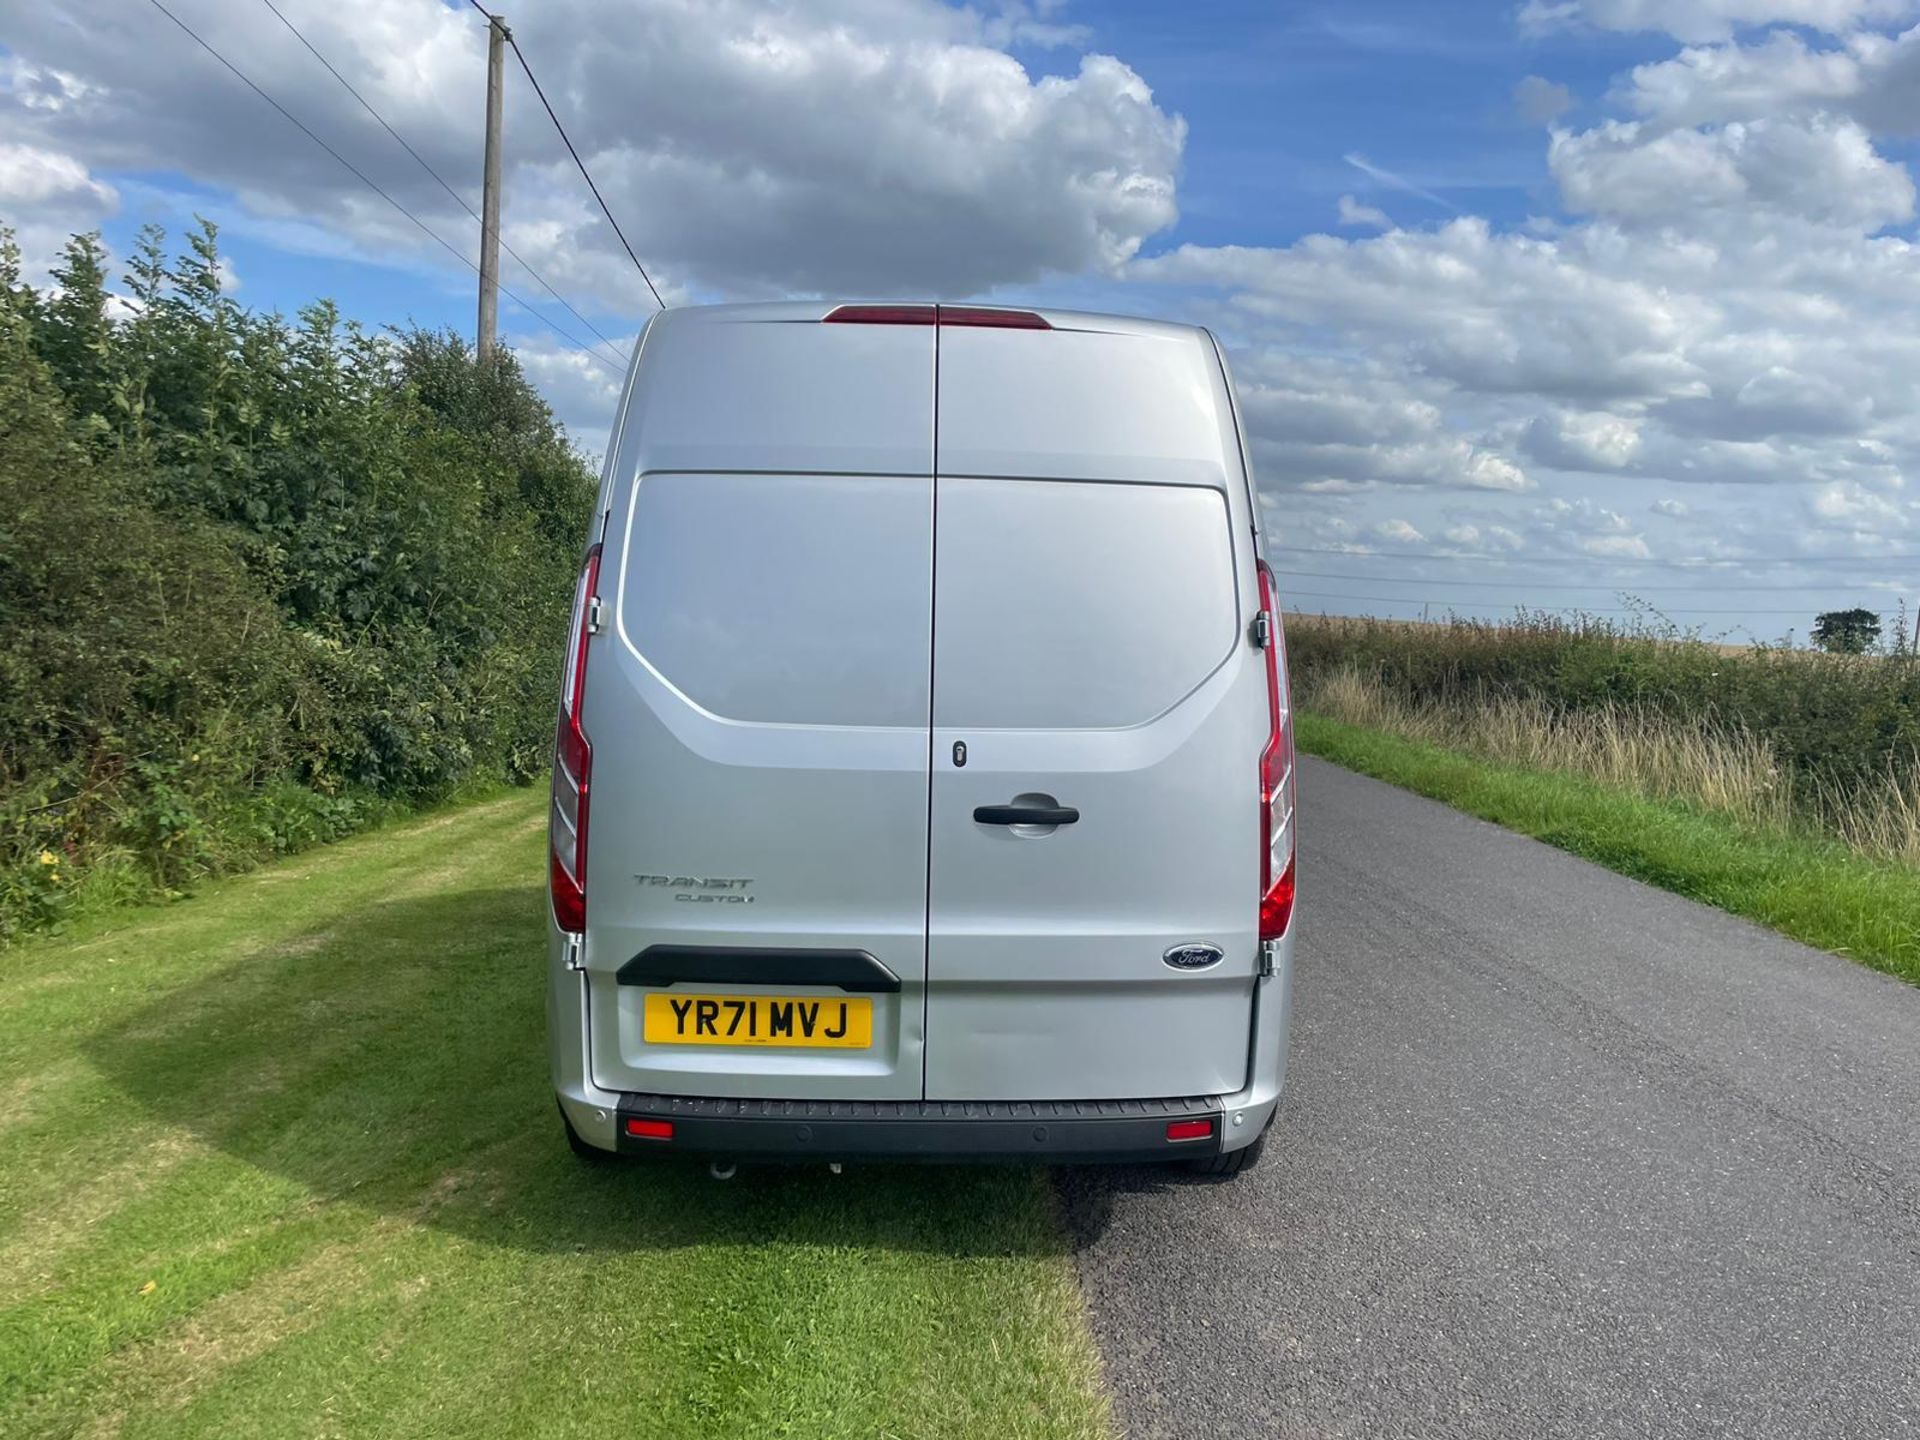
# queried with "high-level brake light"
point(573, 764)
point(883, 315)
point(978, 316)
point(1276, 778)
point(992, 319)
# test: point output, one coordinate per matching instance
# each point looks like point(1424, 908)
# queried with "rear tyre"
point(1231, 1163)
point(583, 1150)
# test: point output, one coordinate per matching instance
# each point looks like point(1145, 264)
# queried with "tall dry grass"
point(1651, 752)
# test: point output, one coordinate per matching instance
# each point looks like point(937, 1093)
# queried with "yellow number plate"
point(806, 1022)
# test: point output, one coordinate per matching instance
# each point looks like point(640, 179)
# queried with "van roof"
point(770, 387)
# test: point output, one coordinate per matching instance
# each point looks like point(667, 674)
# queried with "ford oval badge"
point(1194, 957)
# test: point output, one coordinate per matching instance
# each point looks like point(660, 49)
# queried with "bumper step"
point(984, 1130)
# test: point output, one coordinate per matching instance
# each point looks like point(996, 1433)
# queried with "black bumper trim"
point(1071, 1131)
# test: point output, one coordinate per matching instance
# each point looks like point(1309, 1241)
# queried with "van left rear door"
point(758, 707)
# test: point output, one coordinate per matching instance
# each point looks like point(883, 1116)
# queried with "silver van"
point(924, 775)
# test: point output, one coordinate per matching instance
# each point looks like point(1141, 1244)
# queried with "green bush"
point(260, 582)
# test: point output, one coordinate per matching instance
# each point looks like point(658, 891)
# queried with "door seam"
point(933, 640)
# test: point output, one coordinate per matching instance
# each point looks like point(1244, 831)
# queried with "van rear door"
point(1098, 714)
point(758, 708)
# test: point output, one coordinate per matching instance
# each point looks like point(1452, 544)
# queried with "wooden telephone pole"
point(490, 194)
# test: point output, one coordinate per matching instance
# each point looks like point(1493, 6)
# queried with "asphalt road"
point(1561, 1155)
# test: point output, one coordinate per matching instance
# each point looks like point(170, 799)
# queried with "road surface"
point(1560, 1155)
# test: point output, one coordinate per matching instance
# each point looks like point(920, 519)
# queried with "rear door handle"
point(1025, 814)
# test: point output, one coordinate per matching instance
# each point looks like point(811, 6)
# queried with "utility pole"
point(490, 193)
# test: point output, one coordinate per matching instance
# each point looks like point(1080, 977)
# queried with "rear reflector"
point(650, 1129)
point(976, 315)
point(1189, 1129)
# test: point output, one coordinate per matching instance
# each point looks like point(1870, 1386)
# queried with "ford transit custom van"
point(924, 782)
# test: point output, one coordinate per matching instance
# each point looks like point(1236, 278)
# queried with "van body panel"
point(1093, 400)
point(753, 387)
point(758, 700)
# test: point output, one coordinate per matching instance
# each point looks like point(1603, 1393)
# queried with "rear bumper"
point(1069, 1132)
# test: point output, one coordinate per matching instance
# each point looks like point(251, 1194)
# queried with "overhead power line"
point(585, 174)
point(361, 176)
point(421, 161)
point(1692, 562)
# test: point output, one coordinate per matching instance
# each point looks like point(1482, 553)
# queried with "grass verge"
point(284, 1161)
point(1814, 890)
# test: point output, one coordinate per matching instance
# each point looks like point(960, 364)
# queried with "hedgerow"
point(1845, 726)
point(261, 581)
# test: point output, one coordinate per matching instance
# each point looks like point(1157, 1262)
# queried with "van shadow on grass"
point(398, 1062)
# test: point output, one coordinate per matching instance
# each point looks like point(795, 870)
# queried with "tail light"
point(1276, 777)
point(573, 765)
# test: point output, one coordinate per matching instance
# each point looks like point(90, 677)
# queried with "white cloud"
point(1593, 441)
point(1352, 212)
point(1819, 169)
point(869, 146)
point(1872, 78)
point(1398, 532)
point(32, 177)
point(1709, 19)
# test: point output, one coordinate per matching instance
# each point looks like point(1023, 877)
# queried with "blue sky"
point(1548, 303)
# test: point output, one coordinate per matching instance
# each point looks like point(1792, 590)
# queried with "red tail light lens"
point(572, 766)
point(1276, 779)
point(1189, 1129)
point(650, 1129)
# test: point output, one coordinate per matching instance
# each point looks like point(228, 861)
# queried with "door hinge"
point(595, 613)
point(575, 960)
point(1269, 955)
point(1261, 631)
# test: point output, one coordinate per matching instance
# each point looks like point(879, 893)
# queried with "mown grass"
point(284, 1161)
point(1813, 889)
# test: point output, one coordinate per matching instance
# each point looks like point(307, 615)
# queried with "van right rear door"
point(1094, 582)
